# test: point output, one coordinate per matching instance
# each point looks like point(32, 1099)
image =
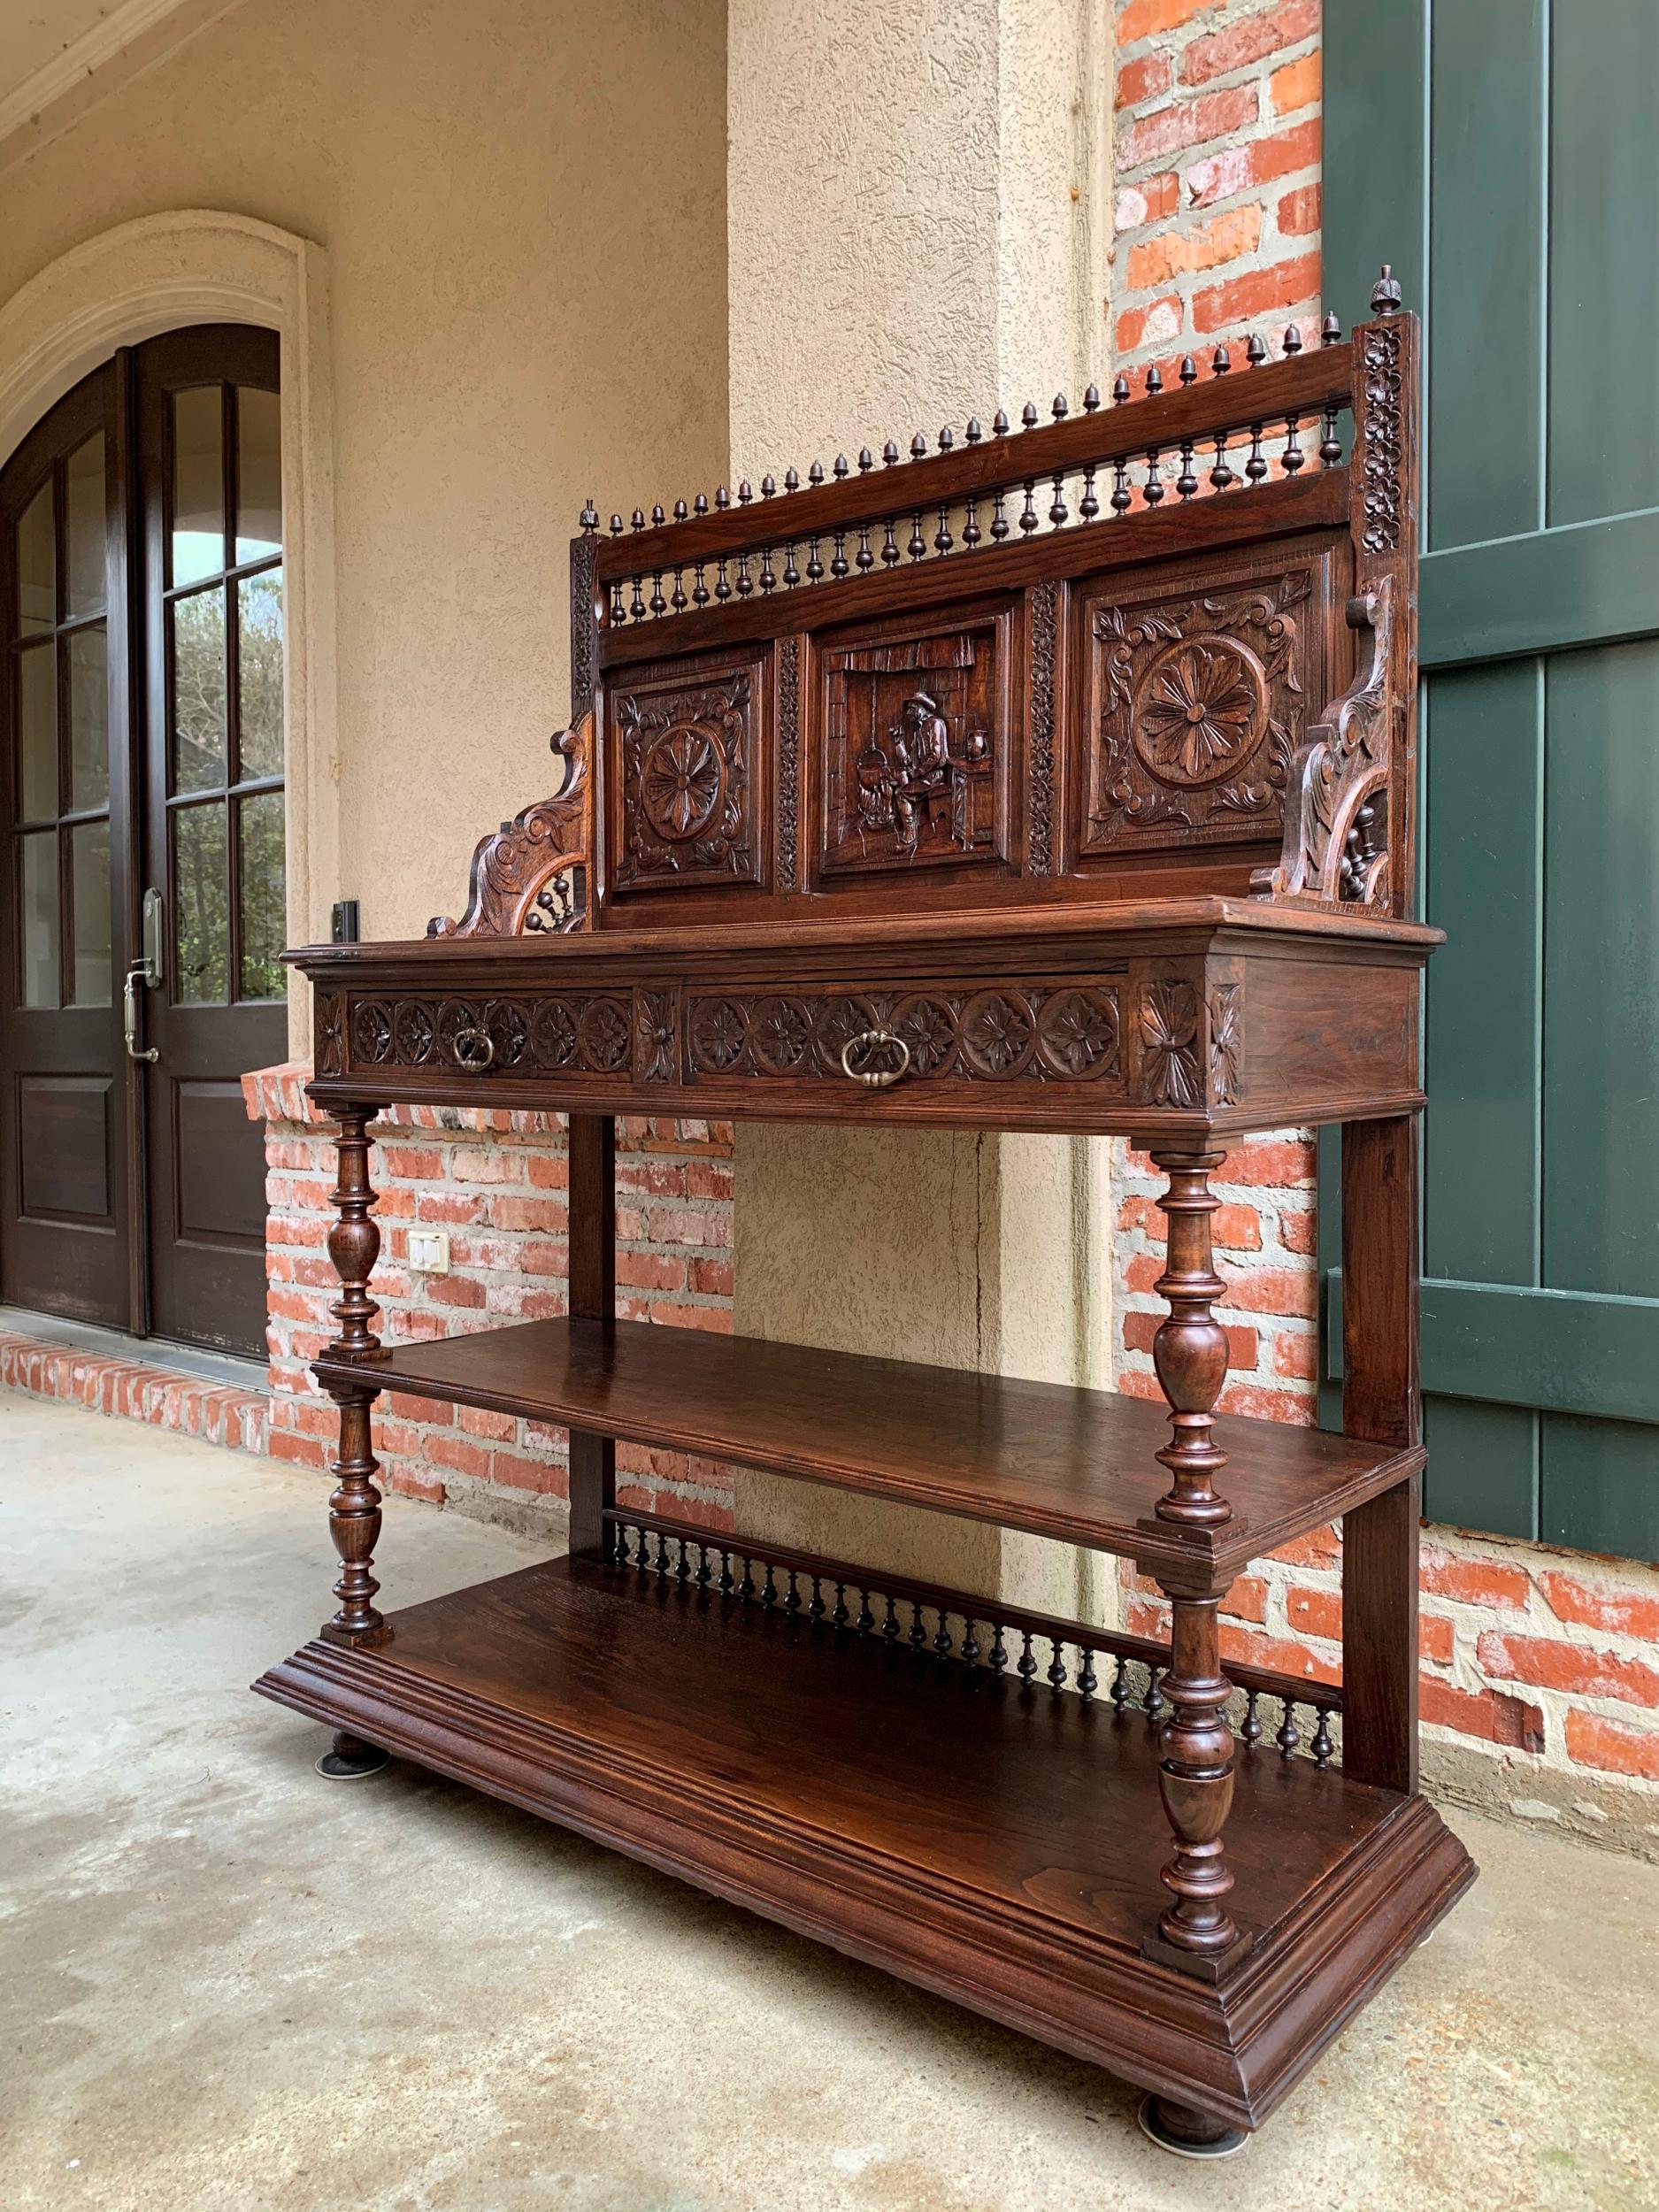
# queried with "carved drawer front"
point(915, 745)
point(686, 746)
point(570, 1033)
point(1196, 698)
point(1067, 1031)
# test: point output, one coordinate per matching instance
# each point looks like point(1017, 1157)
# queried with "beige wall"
point(913, 199)
point(520, 207)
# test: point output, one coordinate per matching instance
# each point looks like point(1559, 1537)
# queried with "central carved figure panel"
point(1195, 705)
point(687, 755)
point(914, 750)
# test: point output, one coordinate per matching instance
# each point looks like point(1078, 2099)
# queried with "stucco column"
point(912, 211)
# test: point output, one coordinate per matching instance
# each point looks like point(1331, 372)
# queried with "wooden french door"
point(141, 884)
point(1500, 153)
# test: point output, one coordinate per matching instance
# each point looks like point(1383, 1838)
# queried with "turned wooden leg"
point(1190, 1348)
point(1195, 1782)
point(354, 1509)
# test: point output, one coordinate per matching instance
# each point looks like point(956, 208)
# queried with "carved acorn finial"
point(1330, 331)
point(1256, 352)
point(616, 526)
point(680, 511)
point(1293, 338)
point(999, 425)
point(722, 498)
point(639, 518)
point(1059, 410)
point(657, 517)
point(791, 482)
point(1091, 399)
point(889, 455)
point(1120, 391)
point(699, 505)
point(918, 447)
point(973, 432)
point(744, 494)
point(1155, 382)
point(590, 520)
point(768, 487)
point(1188, 369)
point(840, 467)
point(1221, 363)
point(867, 460)
point(1385, 296)
point(1028, 416)
point(814, 474)
point(946, 441)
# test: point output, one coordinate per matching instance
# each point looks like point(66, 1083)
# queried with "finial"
point(722, 498)
point(699, 505)
point(1059, 410)
point(946, 441)
point(768, 487)
point(791, 482)
point(616, 526)
point(590, 520)
point(1222, 363)
point(840, 467)
point(639, 518)
point(657, 518)
point(744, 494)
point(1256, 352)
point(999, 425)
point(974, 433)
point(1155, 382)
point(1330, 331)
point(814, 474)
point(1091, 399)
point(681, 510)
point(918, 447)
point(1385, 294)
point(889, 455)
point(1293, 340)
point(866, 459)
point(1028, 416)
point(1120, 391)
point(1189, 369)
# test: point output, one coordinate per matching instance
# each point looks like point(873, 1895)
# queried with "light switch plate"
point(429, 1251)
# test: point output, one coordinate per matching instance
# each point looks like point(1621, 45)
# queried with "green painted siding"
point(1498, 153)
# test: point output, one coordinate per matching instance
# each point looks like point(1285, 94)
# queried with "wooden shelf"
point(1061, 1462)
point(998, 1844)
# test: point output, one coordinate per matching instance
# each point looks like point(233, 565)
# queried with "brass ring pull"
point(871, 1041)
point(474, 1048)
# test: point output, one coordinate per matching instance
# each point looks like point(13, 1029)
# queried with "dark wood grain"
point(592, 1297)
point(1079, 1464)
point(1001, 1848)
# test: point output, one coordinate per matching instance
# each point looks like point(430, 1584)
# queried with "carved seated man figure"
point(921, 756)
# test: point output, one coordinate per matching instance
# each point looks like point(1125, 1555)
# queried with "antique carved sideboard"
point(1059, 779)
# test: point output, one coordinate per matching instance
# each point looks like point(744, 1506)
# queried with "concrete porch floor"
point(226, 1985)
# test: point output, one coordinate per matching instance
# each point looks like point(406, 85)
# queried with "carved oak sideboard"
point(1057, 779)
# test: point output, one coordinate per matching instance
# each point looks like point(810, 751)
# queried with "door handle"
point(130, 1007)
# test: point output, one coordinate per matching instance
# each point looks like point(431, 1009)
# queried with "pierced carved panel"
point(1065, 1031)
point(530, 878)
point(1197, 706)
point(915, 750)
point(687, 750)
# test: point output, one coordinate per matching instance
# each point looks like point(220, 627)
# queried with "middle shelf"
point(1050, 1458)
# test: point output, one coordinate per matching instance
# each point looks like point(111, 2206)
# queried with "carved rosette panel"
point(330, 1052)
point(1226, 1043)
point(1167, 1037)
point(574, 1033)
point(915, 750)
point(1197, 708)
point(1065, 1033)
point(656, 1037)
point(687, 748)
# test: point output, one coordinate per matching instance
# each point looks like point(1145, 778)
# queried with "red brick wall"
point(1547, 1662)
point(496, 1182)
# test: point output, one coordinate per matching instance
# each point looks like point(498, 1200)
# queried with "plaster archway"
point(196, 265)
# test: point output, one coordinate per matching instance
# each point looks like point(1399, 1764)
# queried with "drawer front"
point(567, 1034)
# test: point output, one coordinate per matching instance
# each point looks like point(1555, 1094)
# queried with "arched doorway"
point(141, 839)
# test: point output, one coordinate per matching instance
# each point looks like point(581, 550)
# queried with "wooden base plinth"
point(996, 1843)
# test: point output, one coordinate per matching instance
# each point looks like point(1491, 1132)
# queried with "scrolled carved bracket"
point(1336, 845)
point(531, 878)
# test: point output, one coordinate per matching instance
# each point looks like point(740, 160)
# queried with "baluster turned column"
point(354, 1507)
point(1195, 1772)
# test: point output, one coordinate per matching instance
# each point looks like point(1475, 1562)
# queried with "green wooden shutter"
point(1498, 153)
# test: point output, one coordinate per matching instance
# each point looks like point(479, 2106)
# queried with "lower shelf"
point(998, 1844)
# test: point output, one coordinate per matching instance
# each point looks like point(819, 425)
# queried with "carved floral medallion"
point(686, 786)
point(1171, 1075)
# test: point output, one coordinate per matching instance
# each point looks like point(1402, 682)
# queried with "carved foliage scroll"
point(1335, 825)
point(1039, 831)
point(531, 878)
point(1196, 703)
point(915, 748)
point(686, 752)
point(789, 762)
point(1382, 433)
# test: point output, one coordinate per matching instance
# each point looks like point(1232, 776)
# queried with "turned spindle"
point(1190, 1348)
point(1196, 1783)
point(354, 1507)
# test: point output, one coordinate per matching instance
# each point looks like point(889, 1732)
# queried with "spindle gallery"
point(1055, 779)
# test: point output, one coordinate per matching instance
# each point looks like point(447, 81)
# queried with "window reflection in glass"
point(259, 473)
point(37, 734)
point(89, 893)
point(83, 482)
point(198, 691)
point(201, 906)
point(198, 485)
point(259, 619)
point(264, 901)
point(37, 889)
point(89, 721)
point(37, 564)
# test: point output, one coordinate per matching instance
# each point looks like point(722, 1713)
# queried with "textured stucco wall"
point(521, 202)
point(912, 204)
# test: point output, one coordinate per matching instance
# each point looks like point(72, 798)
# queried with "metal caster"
point(1189, 2134)
point(350, 1760)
